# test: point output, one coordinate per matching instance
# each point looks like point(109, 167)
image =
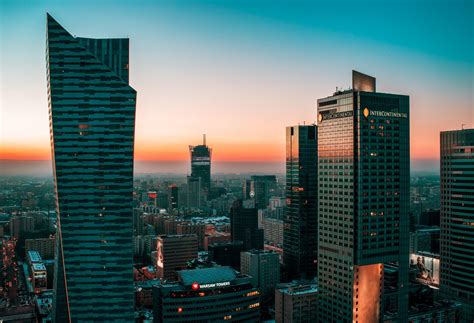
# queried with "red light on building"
point(152, 195)
point(180, 309)
point(195, 286)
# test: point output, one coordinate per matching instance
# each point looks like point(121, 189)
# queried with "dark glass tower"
point(363, 200)
point(92, 122)
point(244, 225)
point(201, 164)
point(457, 218)
point(300, 235)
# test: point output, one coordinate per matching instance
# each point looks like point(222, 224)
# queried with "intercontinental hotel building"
point(363, 201)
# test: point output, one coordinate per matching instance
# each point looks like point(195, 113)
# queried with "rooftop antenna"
point(204, 139)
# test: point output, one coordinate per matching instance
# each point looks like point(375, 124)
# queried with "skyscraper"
point(300, 234)
point(457, 218)
point(244, 225)
point(363, 200)
point(201, 164)
point(92, 124)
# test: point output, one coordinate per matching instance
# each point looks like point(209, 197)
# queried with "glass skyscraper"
point(457, 218)
point(92, 122)
point(300, 235)
point(363, 200)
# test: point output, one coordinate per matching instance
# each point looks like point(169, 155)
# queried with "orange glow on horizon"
point(225, 152)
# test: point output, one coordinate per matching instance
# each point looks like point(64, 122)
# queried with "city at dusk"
point(248, 161)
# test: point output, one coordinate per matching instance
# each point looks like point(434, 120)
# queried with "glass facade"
point(301, 216)
point(363, 201)
point(457, 218)
point(92, 124)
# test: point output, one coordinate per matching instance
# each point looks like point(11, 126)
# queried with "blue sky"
point(243, 70)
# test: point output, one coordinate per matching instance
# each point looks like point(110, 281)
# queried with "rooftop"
point(206, 275)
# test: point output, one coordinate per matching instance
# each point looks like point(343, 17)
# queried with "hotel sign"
point(337, 115)
point(366, 112)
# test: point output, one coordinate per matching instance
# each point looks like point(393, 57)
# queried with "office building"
point(207, 295)
point(296, 302)
point(244, 225)
point(173, 254)
point(363, 200)
point(263, 266)
point(201, 165)
point(457, 218)
point(300, 233)
point(92, 125)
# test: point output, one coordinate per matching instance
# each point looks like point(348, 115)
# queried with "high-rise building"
point(260, 188)
point(244, 225)
point(215, 294)
point(92, 125)
point(263, 266)
point(300, 231)
point(457, 218)
point(363, 200)
point(174, 252)
point(201, 164)
point(296, 302)
point(199, 229)
point(195, 193)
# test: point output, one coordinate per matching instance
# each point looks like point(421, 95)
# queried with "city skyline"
point(258, 72)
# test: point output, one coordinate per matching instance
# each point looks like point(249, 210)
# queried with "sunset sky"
point(240, 71)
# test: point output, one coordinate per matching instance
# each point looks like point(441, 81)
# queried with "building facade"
point(457, 218)
point(363, 200)
point(173, 254)
point(207, 295)
point(92, 125)
point(244, 225)
point(300, 234)
point(296, 302)
point(263, 266)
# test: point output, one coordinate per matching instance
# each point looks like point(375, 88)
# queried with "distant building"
point(173, 197)
point(457, 218)
point(260, 188)
point(195, 193)
point(20, 225)
point(296, 302)
point(207, 295)
point(263, 267)
point(226, 254)
point(300, 233)
point(273, 231)
point(425, 239)
point(198, 229)
point(173, 254)
point(201, 165)
point(244, 225)
point(44, 246)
